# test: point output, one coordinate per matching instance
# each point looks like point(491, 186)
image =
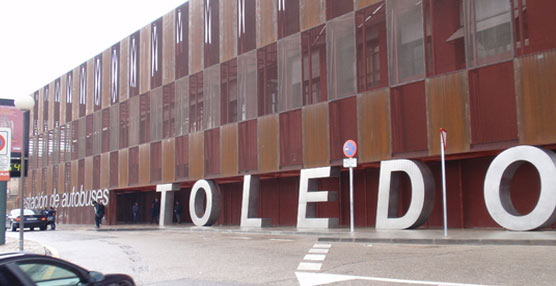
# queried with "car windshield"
point(16, 212)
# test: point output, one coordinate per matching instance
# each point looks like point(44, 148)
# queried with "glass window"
point(267, 80)
point(45, 106)
point(228, 91)
point(247, 76)
point(340, 53)
point(48, 274)
point(82, 89)
point(372, 67)
point(288, 17)
point(36, 113)
point(115, 74)
point(289, 73)
point(69, 95)
point(211, 92)
point(97, 81)
point(134, 58)
point(195, 101)
point(156, 53)
point(182, 40)
point(313, 48)
point(246, 28)
point(57, 97)
point(405, 40)
point(488, 31)
point(212, 29)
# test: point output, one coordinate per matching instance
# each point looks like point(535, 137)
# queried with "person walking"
point(177, 210)
point(135, 212)
point(51, 217)
point(99, 213)
point(155, 211)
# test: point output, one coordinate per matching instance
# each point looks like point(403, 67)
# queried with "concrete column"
point(166, 202)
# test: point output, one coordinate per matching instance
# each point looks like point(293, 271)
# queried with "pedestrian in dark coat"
point(135, 212)
point(155, 211)
point(99, 213)
point(177, 210)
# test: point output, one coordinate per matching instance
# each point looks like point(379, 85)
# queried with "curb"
point(442, 241)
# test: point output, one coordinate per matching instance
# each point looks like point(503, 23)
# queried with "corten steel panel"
point(196, 155)
point(75, 94)
point(168, 48)
point(74, 174)
point(212, 151)
point(133, 120)
point(291, 140)
point(541, 25)
point(106, 77)
point(156, 48)
point(156, 162)
point(247, 146)
point(155, 114)
point(315, 135)
point(288, 190)
point(228, 29)
point(473, 176)
point(62, 101)
point(454, 195)
point(409, 118)
point(231, 204)
point(287, 18)
point(266, 22)
point(49, 179)
point(88, 173)
point(96, 173)
point(373, 123)
point(492, 104)
point(342, 125)
point(81, 173)
point(196, 35)
point(267, 133)
point(61, 179)
point(133, 166)
point(145, 60)
point(536, 97)
point(134, 66)
point(168, 160)
point(123, 176)
point(313, 13)
point(181, 46)
point(124, 70)
point(335, 8)
point(229, 149)
point(364, 3)
point(105, 170)
point(247, 26)
point(90, 86)
point(144, 164)
point(447, 102)
point(269, 200)
point(332, 208)
point(168, 111)
point(113, 180)
point(182, 157)
point(212, 38)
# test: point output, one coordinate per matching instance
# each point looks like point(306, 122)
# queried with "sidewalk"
point(362, 235)
point(12, 245)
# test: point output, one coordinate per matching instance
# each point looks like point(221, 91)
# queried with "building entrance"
point(125, 201)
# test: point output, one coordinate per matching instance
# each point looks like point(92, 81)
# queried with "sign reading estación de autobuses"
point(496, 194)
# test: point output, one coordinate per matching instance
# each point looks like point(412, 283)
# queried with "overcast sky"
point(42, 40)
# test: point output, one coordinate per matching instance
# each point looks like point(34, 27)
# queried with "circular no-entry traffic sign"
point(350, 148)
point(2, 142)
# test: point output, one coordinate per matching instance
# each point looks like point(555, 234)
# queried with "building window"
point(57, 97)
point(182, 157)
point(156, 114)
point(97, 83)
point(115, 74)
point(228, 91)
point(444, 43)
point(134, 58)
point(182, 106)
point(313, 49)
point(288, 17)
point(156, 162)
point(156, 53)
point(246, 25)
point(168, 110)
point(289, 73)
point(405, 41)
point(488, 31)
point(340, 57)
point(267, 80)
point(89, 130)
point(82, 89)
point(45, 107)
point(69, 95)
point(372, 67)
point(335, 8)
point(182, 40)
point(247, 82)
point(124, 124)
point(144, 118)
point(195, 101)
point(212, 28)
point(211, 93)
point(105, 130)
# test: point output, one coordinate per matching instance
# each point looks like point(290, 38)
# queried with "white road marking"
point(313, 279)
point(320, 245)
point(308, 266)
point(314, 257)
point(318, 250)
point(241, 237)
point(281, 239)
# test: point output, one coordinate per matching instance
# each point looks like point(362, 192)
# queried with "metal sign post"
point(443, 134)
point(5, 153)
point(350, 149)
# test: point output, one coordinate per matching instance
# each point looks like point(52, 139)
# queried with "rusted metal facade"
point(175, 102)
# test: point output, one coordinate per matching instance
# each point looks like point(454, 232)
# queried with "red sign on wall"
point(12, 118)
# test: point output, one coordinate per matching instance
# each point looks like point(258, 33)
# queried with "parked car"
point(24, 269)
point(32, 218)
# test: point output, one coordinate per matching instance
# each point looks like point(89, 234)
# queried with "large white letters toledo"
point(496, 194)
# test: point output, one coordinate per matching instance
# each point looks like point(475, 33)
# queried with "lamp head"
point(24, 103)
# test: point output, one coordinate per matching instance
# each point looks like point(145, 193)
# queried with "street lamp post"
point(25, 104)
